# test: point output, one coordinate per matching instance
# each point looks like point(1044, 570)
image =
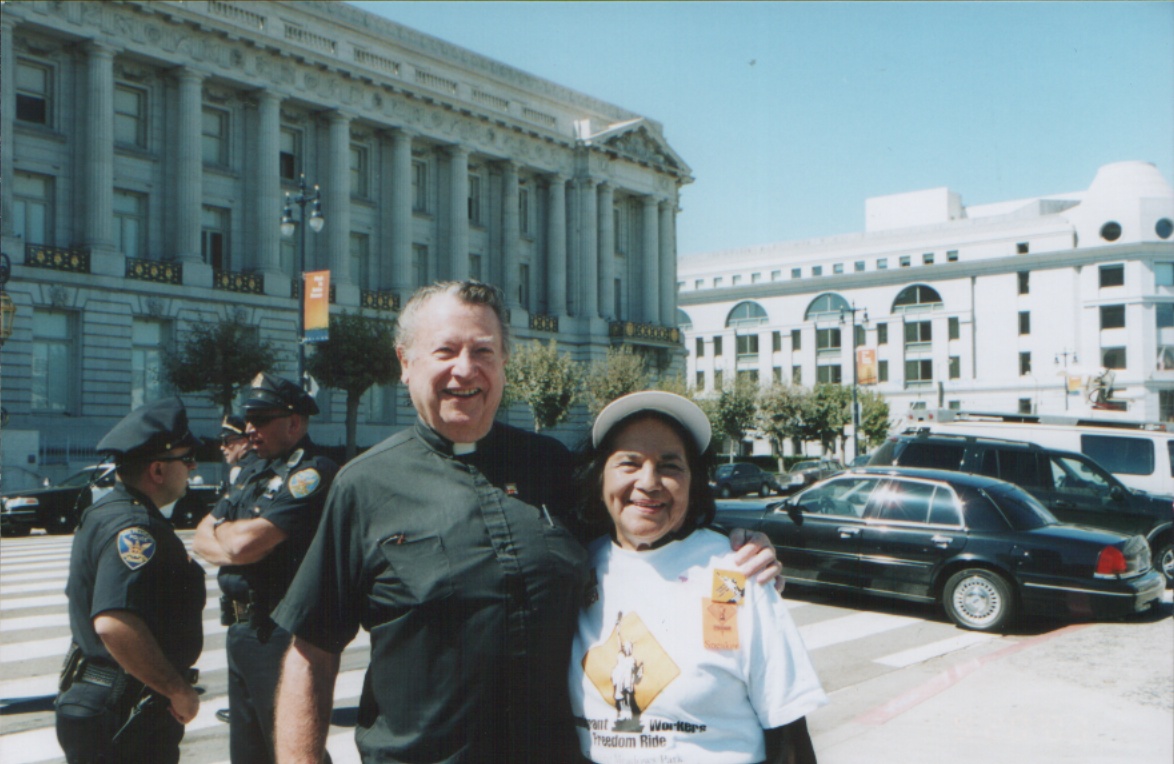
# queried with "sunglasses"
point(260, 420)
point(189, 459)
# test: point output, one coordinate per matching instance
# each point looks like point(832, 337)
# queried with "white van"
point(1140, 454)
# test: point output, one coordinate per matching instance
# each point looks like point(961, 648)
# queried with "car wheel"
point(16, 531)
point(764, 491)
point(978, 599)
point(60, 524)
point(1164, 562)
point(725, 492)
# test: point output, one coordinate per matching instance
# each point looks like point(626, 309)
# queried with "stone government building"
point(147, 149)
point(1007, 307)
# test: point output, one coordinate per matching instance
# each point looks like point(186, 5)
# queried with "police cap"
point(269, 392)
point(232, 426)
point(149, 431)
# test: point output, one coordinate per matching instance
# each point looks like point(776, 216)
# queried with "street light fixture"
point(288, 224)
point(1065, 353)
point(845, 312)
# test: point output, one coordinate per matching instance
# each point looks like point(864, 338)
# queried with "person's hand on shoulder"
point(756, 557)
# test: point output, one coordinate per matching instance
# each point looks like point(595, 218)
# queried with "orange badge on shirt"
point(719, 625)
point(729, 586)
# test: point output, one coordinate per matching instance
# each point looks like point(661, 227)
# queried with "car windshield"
point(804, 466)
point(1021, 509)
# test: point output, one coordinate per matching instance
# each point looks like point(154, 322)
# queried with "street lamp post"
point(315, 223)
point(7, 306)
point(844, 313)
point(1064, 354)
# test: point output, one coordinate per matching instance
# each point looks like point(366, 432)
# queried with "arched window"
point(683, 320)
point(746, 314)
point(826, 307)
point(916, 298)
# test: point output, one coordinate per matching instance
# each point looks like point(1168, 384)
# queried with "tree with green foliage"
point(874, 419)
point(732, 412)
point(675, 384)
point(828, 413)
point(217, 359)
point(547, 381)
point(781, 410)
point(359, 355)
point(620, 372)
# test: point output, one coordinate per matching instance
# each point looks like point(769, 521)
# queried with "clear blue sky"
point(791, 114)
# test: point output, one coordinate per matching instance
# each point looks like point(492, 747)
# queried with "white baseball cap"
point(685, 411)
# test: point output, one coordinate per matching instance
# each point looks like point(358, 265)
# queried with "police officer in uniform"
point(135, 602)
point(235, 445)
point(238, 451)
point(258, 534)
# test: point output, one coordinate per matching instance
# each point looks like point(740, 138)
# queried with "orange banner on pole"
point(866, 366)
point(317, 305)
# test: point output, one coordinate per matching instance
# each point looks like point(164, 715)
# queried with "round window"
point(1111, 231)
point(1163, 228)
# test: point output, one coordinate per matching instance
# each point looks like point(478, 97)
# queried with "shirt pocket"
point(417, 571)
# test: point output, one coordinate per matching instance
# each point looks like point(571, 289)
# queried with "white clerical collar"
point(460, 449)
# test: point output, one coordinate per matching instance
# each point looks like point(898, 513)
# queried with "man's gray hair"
point(469, 292)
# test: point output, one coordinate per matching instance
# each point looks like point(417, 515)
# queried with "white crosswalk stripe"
point(32, 577)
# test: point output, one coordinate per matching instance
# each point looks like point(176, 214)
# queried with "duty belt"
point(95, 673)
point(245, 612)
point(109, 676)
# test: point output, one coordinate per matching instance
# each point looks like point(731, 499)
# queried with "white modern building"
point(147, 151)
point(1006, 307)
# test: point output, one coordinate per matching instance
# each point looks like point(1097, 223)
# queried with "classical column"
point(266, 211)
point(607, 251)
point(510, 232)
point(458, 213)
point(650, 253)
point(98, 169)
point(7, 109)
point(589, 249)
point(336, 201)
point(401, 213)
point(556, 247)
point(189, 166)
point(668, 263)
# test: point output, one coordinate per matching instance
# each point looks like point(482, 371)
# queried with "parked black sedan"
point(739, 478)
point(983, 548)
point(57, 508)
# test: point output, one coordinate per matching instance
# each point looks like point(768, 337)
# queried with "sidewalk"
point(1085, 693)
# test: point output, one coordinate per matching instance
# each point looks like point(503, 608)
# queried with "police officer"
point(237, 451)
point(235, 445)
point(258, 534)
point(135, 602)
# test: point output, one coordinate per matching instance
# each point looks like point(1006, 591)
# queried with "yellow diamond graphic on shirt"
point(629, 669)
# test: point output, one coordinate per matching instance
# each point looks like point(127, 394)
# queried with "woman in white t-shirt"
point(678, 657)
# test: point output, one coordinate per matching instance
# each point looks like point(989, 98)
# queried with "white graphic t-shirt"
point(679, 658)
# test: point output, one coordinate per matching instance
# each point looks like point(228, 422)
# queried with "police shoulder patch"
point(304, 482)
point(136, 547)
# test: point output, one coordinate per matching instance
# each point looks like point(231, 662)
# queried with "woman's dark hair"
point(592, 460)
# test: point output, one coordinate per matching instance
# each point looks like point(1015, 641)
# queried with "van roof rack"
point(953, 415)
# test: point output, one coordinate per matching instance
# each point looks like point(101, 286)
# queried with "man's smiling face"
point(455, 367)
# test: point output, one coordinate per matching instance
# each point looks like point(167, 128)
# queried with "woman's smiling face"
point(646, 483)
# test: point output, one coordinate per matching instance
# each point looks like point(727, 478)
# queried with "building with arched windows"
point(147, 148)
point(1010, 307)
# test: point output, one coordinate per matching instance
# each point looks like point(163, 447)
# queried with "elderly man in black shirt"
point(135, 602)
point(449, 543)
